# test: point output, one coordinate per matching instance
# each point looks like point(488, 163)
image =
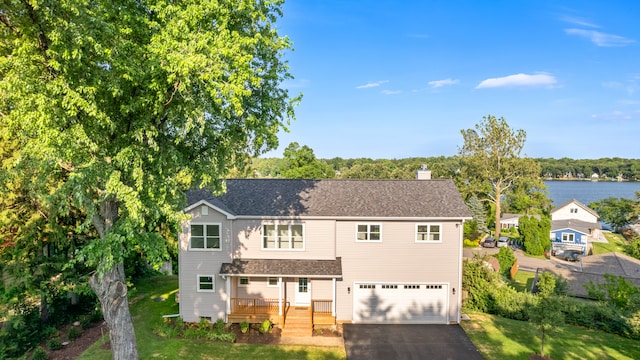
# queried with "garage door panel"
point(400, 303)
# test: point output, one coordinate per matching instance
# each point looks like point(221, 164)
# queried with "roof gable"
point(337, 198)
point(578, 204)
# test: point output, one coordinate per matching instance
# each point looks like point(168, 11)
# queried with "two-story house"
point(362, 251)
point(574, 226)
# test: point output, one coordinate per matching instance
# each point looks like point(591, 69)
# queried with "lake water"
point(589, 191)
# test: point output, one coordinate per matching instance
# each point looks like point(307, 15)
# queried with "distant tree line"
point(447, 167)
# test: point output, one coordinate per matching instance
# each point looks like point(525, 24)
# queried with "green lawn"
point(147, 312)
point(616, 243)
point(523, 281)
point(500, 338)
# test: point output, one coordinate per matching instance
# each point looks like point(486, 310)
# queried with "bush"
point(265, 327)
point(506, 259)
point(244, 327)
point(471, 243)
point(219, 326)
point(54, 344)
point(21, 332)
point(74, 333)
point(39, 354)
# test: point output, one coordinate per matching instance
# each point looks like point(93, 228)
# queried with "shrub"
point(54, 344)
point(166, 329)
point(471, 243)
point(203, 324)
point(74, 333)
point(39, 354)
point(224, 336)
point(244, 327)
point(506, 259)
point(265, 327)
point(219, 326)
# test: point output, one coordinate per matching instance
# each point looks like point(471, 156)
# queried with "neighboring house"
point(335, 251)
point(508, 221)
point(574, 226)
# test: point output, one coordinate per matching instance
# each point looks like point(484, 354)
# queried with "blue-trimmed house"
point(573, 227)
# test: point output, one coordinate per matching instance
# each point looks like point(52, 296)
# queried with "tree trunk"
point(498, 210)
point(112, 293)
point(111, 290)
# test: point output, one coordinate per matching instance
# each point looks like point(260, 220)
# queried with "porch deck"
point(260, 309)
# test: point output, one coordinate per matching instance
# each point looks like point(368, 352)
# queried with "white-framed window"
point(369, 232)
point(205, 237)
point(206, 283)
point(428, 233)
point(243, 281)
point(272, 282)
point(568, 237)
point(283, 236)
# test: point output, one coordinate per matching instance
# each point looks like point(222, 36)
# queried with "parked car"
point(503, 241)
point(489, 242)
point(570, 255)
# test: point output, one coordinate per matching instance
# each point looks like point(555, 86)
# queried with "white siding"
point(398, 258)
point(194, 304)
point(564, 213)
point(319, 241)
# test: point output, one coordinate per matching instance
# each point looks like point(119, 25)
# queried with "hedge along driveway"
point(156, 297)
point(500, 338)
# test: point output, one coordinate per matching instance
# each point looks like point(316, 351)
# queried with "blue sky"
point(397, 79)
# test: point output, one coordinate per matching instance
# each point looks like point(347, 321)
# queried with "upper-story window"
point(369, 232)
point(205, 237)
point(283, 236)
point(429, 232)
point(568, 237)
point(573, 210)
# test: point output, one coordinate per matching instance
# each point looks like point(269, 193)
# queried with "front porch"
point(257, 310)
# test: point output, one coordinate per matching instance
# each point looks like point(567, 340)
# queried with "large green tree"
point(492, 164)
point(618, 212)
point(301, 163)
point(128, 104)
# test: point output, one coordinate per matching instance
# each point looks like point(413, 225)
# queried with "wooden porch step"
point(298, 322)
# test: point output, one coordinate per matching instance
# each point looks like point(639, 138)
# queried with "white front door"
point(303, 292)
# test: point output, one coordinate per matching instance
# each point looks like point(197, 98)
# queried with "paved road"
point(525, 263)
point(434, 342)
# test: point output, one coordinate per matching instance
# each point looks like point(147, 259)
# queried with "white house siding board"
point(194, 304)
point(564, 213)
point(319, 240)
point(398, 258)
point(258, 288)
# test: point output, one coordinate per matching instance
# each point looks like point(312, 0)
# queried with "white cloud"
point(518, 80)
point(579, 21)
point(391, 92)
point(440, 83)
point(616, 115)
point(371, 84)
point(600, 38)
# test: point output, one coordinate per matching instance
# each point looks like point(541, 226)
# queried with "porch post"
point(279, 296)
point(333, 299)
point(228, 289)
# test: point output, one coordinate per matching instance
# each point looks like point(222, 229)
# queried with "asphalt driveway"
point(414, 341)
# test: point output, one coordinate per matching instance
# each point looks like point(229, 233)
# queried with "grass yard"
point(156, 297)
point(523, 281)
point(500, 338)
point(616, 243)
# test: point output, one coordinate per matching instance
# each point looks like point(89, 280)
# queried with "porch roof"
point(283, 267)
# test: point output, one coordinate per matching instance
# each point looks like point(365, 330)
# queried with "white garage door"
point(400, 303)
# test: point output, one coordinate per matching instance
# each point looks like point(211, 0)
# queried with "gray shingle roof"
point(338, 198)
point(283, 267)
point(582, 226)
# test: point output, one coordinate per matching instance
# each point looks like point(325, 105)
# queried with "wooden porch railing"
point(321, 306)
point(321, 312)
point(255, 306)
